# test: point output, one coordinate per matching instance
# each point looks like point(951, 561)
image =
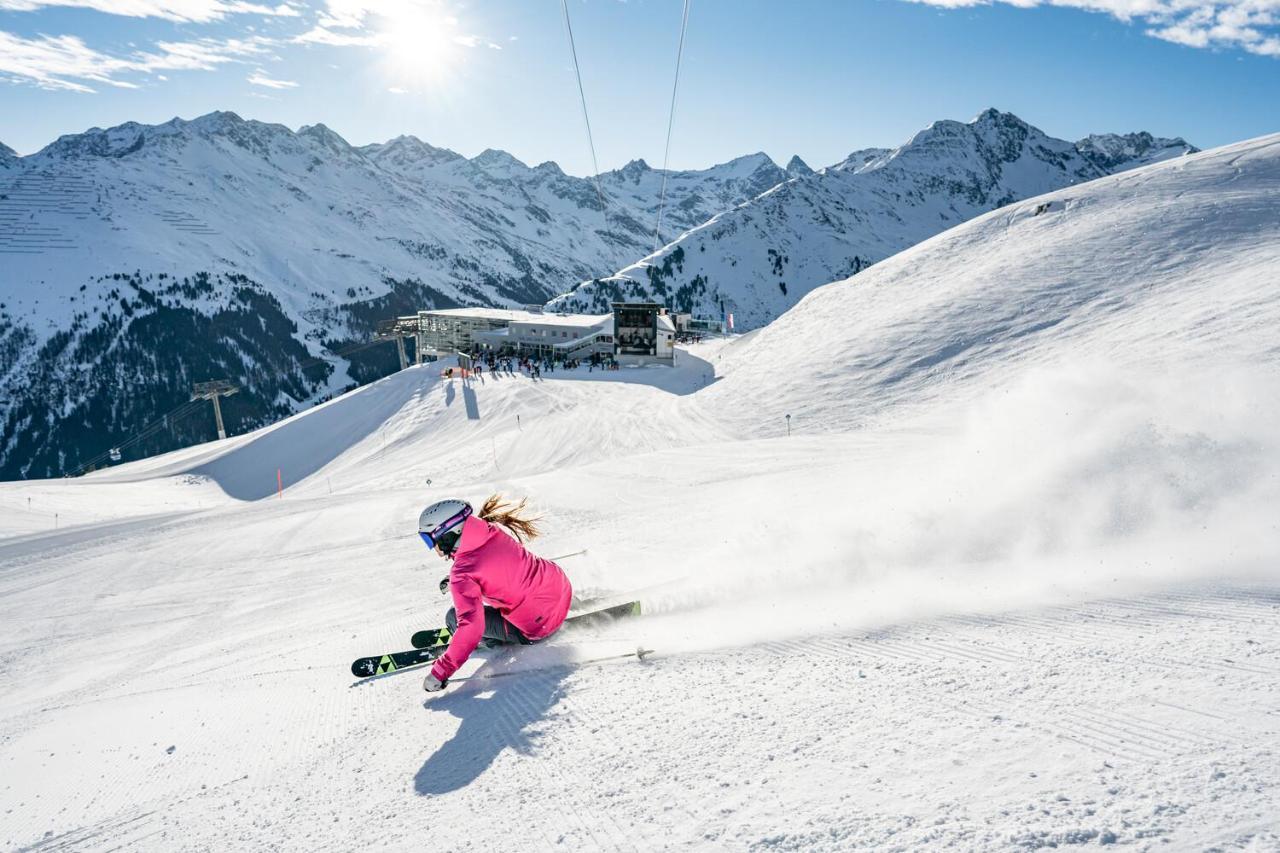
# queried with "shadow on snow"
point(496, 714)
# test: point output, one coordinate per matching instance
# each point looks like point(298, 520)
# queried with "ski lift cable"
point(671, 118)
point(145, 432)
point(586, 118)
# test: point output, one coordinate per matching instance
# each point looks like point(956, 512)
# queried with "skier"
point(501, 592)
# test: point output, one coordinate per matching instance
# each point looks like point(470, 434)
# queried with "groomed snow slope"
point(1171, 264)
point(1029, 601)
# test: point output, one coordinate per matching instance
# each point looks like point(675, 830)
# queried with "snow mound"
point(1169, 264)
point(418, 427)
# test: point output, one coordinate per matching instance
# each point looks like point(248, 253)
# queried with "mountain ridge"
point(758, 259)
point(204, 240)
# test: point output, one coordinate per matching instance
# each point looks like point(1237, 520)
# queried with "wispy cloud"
point(1250, 25)
point(187, 11)
point(475, 41)
point(66, 63)
point(355, 23)
point(260, 78)
point(324, 35)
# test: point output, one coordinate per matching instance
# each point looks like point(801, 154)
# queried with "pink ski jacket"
point(491, 567)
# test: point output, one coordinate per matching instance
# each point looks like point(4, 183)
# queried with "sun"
point(420, 42)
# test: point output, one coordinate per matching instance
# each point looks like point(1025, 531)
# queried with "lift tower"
point(212, 391)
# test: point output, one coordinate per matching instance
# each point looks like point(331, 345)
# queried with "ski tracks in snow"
point(1141, 720)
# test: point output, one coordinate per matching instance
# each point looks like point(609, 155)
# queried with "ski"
point(430, 644)
point(430, 638)
point(382, 664)
point(437, 636)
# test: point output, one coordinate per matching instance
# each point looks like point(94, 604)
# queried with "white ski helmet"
point(441, 524)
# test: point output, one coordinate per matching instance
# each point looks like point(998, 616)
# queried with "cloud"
point(475, 41)
point(186, 11)
point(260, 78)
point(66, 63)
point(396, 90)
point(323, 35)
point(1250, 25)
point(362, 23)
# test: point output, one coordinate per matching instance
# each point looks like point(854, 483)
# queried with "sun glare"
point(420, 42)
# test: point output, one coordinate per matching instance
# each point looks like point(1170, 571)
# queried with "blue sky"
point(818, 79)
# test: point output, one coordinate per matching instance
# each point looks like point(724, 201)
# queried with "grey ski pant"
point(497, 630)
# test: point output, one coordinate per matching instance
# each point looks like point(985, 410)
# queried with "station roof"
point(515, 315)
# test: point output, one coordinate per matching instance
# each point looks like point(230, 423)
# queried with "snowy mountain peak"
point(992, 117)
point(634, 168)
point(95, 142)
point(407, 150)
point(992, 126)
point(1114, 151)
point(549, 168)
point(326, 137)
point(218, 121)
point(978, 153)
point(131, 137)
point(861, 159)
point(495, 161)
point(797, 167)
point(758, 259)
point(751, 163)
point(8, 157)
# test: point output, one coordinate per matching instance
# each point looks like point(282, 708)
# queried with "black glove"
point(444, 585)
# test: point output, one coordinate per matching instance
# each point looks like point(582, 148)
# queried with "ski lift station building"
point(634, 333)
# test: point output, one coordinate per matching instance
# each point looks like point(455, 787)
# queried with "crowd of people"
point(499, 365)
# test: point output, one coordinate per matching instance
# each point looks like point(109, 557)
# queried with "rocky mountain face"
point(1113, 152)
point(139, 259)
point(759, 259)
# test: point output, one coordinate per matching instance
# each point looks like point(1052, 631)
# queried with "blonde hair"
point(512, 516)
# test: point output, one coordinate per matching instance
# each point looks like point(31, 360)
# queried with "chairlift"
point(114, 453)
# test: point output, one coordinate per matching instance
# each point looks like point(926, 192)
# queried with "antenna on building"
point(212, 391)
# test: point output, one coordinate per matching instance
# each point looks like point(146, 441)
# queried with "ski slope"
point(1010, 582)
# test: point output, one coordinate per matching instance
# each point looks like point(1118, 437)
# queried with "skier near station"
point(502, 593)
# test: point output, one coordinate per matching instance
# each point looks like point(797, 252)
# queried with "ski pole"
point(566, 556)
point(639, 654)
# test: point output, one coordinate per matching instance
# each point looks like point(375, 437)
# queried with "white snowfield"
point(1010, 583)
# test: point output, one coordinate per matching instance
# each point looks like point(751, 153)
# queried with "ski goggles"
point(433, 536)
